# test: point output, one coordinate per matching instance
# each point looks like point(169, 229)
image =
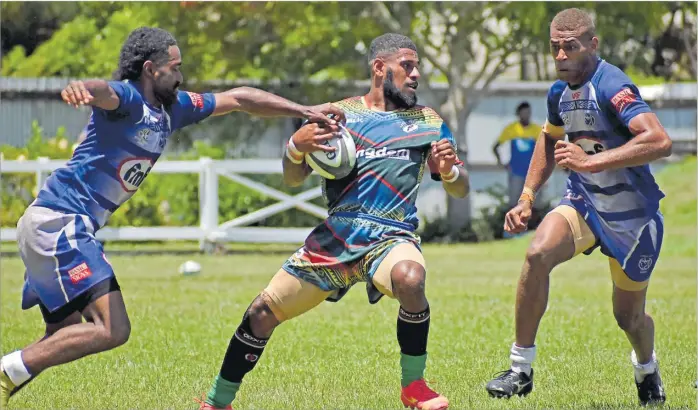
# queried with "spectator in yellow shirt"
point(521, 136)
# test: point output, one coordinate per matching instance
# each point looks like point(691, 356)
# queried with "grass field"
point(345, 356)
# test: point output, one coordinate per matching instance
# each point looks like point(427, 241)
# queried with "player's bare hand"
point(320, 113)
point(572, 157)
point(443, 155)
point(516, 220)
point(76, 94)
point(312, 137)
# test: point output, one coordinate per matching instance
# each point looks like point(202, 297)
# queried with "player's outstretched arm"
point(96, 93)
point(308, 138)
point(263, 104)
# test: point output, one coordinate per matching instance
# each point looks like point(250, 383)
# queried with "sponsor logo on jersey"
point(623, 98)
point(578, 105)
point(142, 137)
point(354, 120)
point(409, 126)
point(132, 172)
point(372, 153)
point(197, 101)
point(576, 95)
point(80, 272)
point(590, 145)
point(589, 119)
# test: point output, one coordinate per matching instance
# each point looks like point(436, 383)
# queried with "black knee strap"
point(246, 336)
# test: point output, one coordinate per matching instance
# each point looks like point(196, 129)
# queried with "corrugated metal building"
point(26, 99)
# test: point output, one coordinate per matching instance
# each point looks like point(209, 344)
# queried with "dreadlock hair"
point(143, 44)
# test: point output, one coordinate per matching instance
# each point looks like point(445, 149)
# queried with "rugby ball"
point(189, 268)
point(337, 164)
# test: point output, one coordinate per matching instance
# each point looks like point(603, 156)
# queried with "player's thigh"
point(383, 277)
point(104, 306)
point(562, 235)
point(289, 296)
point(628, 296)
point(622, 282)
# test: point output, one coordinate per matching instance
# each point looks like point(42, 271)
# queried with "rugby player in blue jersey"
point(67, 274)
point(612, 200)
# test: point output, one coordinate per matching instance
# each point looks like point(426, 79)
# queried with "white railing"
point(209, 230)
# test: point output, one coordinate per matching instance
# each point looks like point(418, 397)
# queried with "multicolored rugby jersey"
point(372, 209)
point(56, 234)
point(621, 206)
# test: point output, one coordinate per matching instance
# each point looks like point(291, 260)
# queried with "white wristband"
point(292, 153)
point(454, 172)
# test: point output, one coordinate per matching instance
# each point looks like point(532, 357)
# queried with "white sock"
point(642, 370)
point(14, 367)
point(521, 358)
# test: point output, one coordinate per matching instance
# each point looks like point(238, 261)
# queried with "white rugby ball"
point(189, 268)
point(337, 164)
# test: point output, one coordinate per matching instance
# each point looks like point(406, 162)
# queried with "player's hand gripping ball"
point(326, 114)
point(338, 162)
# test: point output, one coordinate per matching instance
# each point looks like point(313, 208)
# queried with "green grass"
point(345, 356)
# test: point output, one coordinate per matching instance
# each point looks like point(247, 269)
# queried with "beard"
point(395, 96)
point(167, 96)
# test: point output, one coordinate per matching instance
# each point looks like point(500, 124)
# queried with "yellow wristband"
point(293, 154)
point(452, 176)
point(528, 195)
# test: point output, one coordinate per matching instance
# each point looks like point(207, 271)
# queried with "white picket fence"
point(209, 231)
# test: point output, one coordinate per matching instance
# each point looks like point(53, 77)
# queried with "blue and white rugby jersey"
point(595, 116)
point(119, 151)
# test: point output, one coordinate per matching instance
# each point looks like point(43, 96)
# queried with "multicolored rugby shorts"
point(346, 249)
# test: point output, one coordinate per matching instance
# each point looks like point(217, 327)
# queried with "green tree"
point(467, 45)
point(647, 39)
point(29, 24)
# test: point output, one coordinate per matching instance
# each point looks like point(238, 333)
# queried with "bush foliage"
point(173, 199)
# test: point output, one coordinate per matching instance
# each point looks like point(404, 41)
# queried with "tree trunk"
point(525, 69)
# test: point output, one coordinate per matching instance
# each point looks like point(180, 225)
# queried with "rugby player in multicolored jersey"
point(612, 200)
point(67, 274)
point(369, 235)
